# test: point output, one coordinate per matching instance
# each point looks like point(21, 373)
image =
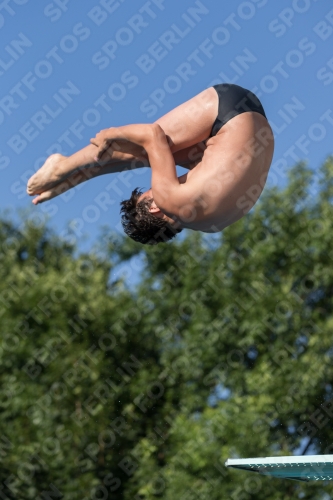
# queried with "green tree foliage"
point(223, 350)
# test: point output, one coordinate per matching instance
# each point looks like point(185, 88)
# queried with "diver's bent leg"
point(187, 158)
point(191, 122)
point(58, 168)
point(186, 126)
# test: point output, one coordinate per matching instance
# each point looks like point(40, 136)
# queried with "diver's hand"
point(105, 141)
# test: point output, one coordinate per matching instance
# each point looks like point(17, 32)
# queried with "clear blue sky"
point(130, 62)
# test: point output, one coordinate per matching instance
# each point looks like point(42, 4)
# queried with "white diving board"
point(303, 468)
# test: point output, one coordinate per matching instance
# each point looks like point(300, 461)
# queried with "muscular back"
point(229, 178)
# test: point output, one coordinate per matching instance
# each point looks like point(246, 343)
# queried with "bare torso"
point(231, 174)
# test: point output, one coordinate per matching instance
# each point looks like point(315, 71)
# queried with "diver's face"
point(147, 194)
point(153, 209)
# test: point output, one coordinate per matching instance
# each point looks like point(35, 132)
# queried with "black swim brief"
point(233, 101)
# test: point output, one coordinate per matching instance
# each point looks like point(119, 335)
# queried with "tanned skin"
point(227, 172)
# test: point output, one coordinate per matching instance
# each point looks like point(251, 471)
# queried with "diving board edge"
point(301, 468)
point(303, 459)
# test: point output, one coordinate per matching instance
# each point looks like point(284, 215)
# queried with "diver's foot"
point(47, 176)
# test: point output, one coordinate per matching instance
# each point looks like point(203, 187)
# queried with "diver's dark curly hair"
point(142, 226)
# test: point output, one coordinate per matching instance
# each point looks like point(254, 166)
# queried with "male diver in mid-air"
point(221, 135)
